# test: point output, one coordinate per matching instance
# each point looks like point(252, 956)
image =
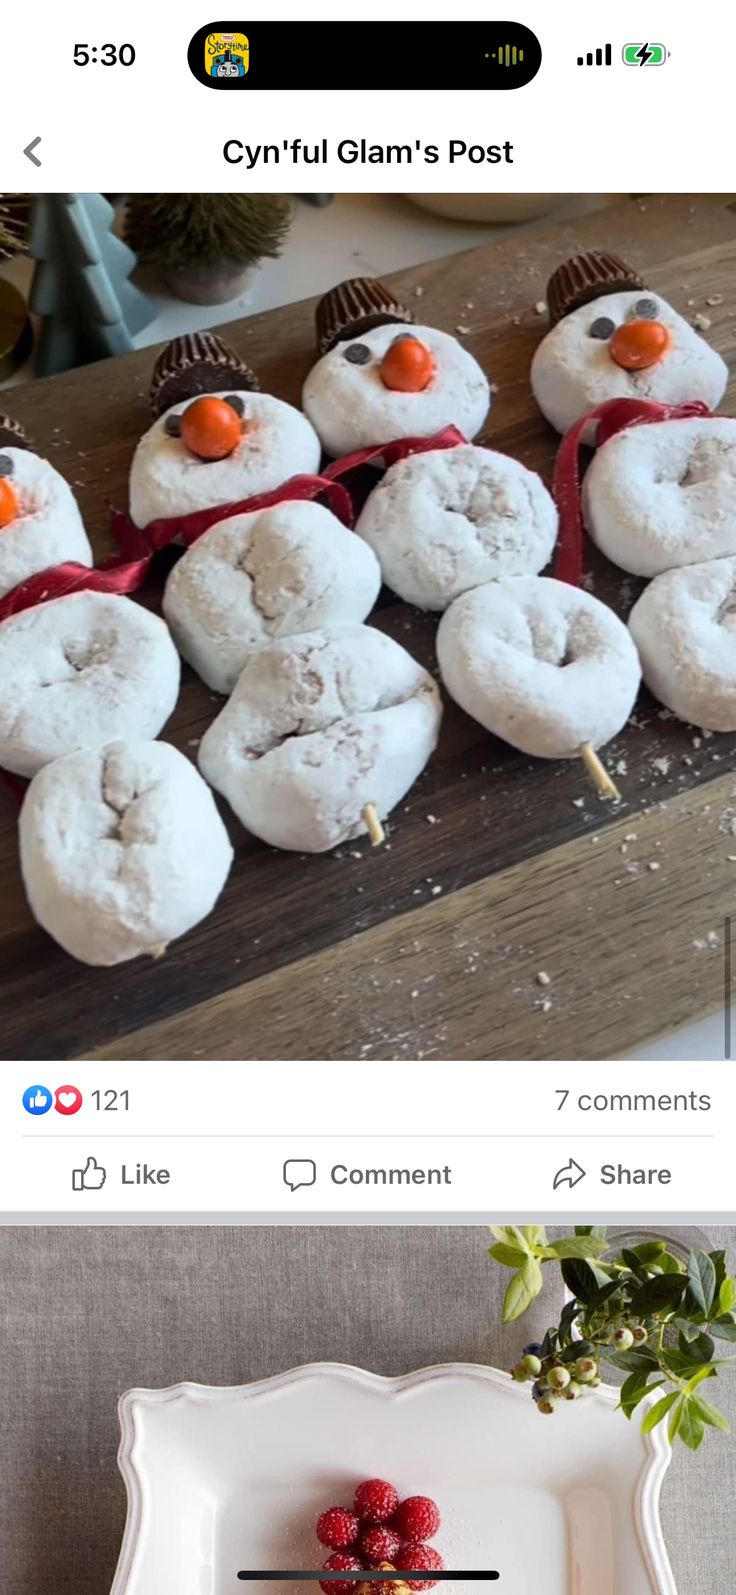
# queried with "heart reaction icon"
point(67, 1099)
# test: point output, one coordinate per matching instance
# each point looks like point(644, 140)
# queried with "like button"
point(91, 1178)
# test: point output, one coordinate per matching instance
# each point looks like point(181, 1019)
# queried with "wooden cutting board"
point(499, 869)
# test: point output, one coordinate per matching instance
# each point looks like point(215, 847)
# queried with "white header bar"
point(114, 106)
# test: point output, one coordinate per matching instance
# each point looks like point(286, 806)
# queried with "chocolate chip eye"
point(172, 426)
point(602, 327)
point(401, 337)
point(235, 402)
point(646, 309)
point(358, 354)
point(6, 465)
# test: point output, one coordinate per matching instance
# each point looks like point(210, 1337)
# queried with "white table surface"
point(362, 234)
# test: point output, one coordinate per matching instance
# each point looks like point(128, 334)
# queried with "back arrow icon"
point(570, 1175)
point(29, 151)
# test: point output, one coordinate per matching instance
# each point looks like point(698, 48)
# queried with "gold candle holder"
point(16, 332)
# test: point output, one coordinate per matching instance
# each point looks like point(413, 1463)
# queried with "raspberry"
point(380, 1544)
point(375, 1501)
point(338, 1528)
point(340, 1563)
point(418, 1518)
point(418, 1558)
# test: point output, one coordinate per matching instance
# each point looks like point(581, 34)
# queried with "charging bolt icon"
point(645, 54)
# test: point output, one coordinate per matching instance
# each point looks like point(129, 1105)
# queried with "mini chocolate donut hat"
point(12, 434)
point(583, 278)
point(353, 307)
point(198, 362)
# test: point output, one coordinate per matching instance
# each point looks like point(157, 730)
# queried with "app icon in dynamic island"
point(226, 55)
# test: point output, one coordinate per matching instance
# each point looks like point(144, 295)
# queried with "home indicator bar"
point(380, 1575)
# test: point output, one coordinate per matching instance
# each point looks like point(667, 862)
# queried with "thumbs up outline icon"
point(91, 1178)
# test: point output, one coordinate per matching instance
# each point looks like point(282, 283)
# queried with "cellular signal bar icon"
point(602, 57)
point(507, 55)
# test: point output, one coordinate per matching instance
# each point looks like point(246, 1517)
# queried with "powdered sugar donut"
point(318, 727)
point(663, 495)
point(684, 626)
point(350, 406)
point(122, 850)
point(168, 479)
point(269, 574)
point(451, 519)
point(76, 669)
point(539, 663)
point(367, 389)
point(612, 339)
point(40, 524)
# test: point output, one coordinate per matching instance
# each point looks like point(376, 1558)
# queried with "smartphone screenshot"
point(367, 801)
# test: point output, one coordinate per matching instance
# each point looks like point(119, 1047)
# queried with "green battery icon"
point(644, 54)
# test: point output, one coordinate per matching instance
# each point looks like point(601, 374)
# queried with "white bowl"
point(488, 207)
point(220, 1480)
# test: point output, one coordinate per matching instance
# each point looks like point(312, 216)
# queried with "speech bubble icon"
point(299, 1171)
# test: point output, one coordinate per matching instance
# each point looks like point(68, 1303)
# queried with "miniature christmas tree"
point(80, 286)
point(171, 229)
point(204, 243)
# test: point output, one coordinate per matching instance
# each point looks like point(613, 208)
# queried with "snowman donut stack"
point(380, 377)
point(75, 666)
point(684, 535)
point(249, 597)
point(283, 568)
point(469, 528)
point(75, 669)
point(659, 498)
point(546, 667)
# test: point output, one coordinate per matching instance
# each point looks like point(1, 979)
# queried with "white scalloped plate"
point(224, 1479)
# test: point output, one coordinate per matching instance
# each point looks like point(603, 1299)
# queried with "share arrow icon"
point(570, 1175)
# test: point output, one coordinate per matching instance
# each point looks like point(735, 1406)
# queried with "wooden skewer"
point(398, 1584)
point(598, 772)
point(375, 828)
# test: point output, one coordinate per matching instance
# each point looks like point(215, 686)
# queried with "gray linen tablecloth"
point(87, 1313)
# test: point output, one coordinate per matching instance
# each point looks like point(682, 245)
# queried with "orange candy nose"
point(210, 428)
point(8, 502)
point(639, 344)
point(407, 366)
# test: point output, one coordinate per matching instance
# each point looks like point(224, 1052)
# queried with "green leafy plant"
point(645, 1311)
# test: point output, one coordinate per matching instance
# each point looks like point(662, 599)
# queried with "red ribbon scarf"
point(136, 542)
point(613, 416)
point(390, 453)
point(59, 580)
